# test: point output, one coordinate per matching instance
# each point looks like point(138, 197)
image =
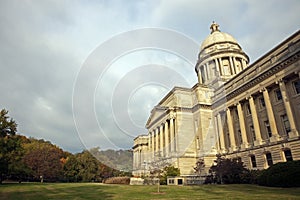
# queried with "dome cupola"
point(220, 56)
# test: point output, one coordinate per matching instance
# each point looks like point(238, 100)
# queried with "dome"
point(216, 36)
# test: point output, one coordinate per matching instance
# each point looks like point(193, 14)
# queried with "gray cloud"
point(45, 43)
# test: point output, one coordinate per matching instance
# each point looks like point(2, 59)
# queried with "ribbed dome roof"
point(216, 36)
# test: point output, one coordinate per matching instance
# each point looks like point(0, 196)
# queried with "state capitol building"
point(237, 109)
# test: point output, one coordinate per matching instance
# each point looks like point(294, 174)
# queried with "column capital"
point(249, 97)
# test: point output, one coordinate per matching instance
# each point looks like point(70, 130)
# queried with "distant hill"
point(118, 159)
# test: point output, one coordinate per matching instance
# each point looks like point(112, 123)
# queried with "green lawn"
point(72, 191)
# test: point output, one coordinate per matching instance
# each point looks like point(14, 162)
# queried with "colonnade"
point(162, 140)
point(225, 116)
point(205, 72)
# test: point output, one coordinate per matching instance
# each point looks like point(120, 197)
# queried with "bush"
point(285, 174)
point(118, 180)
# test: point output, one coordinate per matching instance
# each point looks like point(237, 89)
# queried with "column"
point(157, 141)
point(242, 125)
point(200, 77)
point(149, 152)
point(221, 132)
point(153, 147)
point(234, 64)
point(232, 67)
point(221, 66)
point(244, 64)
point(271, 118)
point(231, 130)
point(288, 109)
point(149, 141)
point(258, 140)
point(172, 142)
point(217, 67)
point(161, 139)
point(167, 143)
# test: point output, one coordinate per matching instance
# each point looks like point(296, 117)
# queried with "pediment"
point(157, 113)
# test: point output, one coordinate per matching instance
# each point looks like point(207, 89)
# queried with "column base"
point(244, 146)
point(258, 142)
point(232, 149)
point(293, 134)
point(275, 138)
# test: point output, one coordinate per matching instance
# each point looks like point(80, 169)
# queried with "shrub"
point(118, 180)
point(285, 174)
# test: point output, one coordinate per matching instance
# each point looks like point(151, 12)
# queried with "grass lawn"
point(74, 191)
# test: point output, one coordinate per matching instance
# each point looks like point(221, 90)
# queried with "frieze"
point(263, 76)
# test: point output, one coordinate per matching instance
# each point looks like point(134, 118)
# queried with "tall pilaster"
point(157, 142)
point(288, 109)
point(258, 140)
point(161, 134)
point(167, 143)
point(242, 126)
point(271, 118)
point(231, 130)
point(153, 147)
point(172, 142)
point(221, 132)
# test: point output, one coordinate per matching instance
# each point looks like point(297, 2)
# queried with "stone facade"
point(235, 109)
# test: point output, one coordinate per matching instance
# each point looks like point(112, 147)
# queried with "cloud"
point(45, 43)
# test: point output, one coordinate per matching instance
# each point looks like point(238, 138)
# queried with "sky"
point(85, 74)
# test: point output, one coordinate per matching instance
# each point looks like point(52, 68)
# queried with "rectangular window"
point(262, 102)
point(253, 161)
point(278, 95)
point(252, 132)
point(286, 123)
point(240, 135)
point(297, 86)
point(268, 128)
point(248, 110)
point(269, 159)
point(236, 115)
point(288, 155)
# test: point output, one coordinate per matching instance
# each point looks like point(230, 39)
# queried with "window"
point(252, 132)
point(262, 102)
point(253, 161)
point(171, 181)
point(226, 67)
point(248, 110)
point(268, 128)
point(238, 65)
point(236, 115)
point(288, 155)
point(240, 135)
point(179, 182)
point(286, 123)
point(297, 86)
point(278, 95)
point(269, 159)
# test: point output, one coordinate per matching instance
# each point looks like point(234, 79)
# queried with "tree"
point(156, 169)
point(200, 165)
point(8, 143)
point(71, 169)
point(88, 166)
point(227, 171)
point(44, 159)
point(7, 125)
point(169, 171)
